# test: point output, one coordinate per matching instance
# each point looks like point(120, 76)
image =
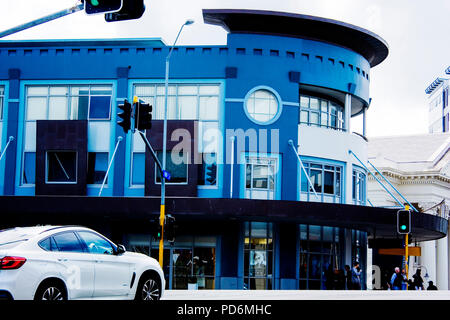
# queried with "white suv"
point(59, 263)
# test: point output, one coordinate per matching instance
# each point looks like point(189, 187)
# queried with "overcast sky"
point(417, 33)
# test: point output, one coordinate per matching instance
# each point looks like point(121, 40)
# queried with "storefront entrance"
point(189, 263)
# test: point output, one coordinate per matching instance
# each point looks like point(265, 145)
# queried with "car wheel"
point(50, 291)
point(148, 289)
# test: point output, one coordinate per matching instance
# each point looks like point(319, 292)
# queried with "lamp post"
point(163, 182)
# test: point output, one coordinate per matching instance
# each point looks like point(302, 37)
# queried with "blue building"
point(269, 192)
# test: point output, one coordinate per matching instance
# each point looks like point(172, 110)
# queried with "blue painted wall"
point(260, 60)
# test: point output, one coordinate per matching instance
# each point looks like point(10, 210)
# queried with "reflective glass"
point(209, 107)
point(29, 168)
point(37, 91)
point(96, 244)
point(67, 242)
point(36, 108)
point(138, 169)
point(61, 166)
point(97, 166)
point(99, 107)
point(58, 108)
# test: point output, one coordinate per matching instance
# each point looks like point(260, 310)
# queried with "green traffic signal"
point(95, 3)
point(403, 221)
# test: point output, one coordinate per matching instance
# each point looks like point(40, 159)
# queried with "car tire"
point(149, 288)
point(51, 290)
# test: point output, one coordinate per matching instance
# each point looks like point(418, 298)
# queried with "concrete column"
point(364, 122)
point(442, 264)
point(347, 112)
point(428, 259)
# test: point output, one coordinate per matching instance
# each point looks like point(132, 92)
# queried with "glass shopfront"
point(258, 256)
point(323, 252)
point(189, 263)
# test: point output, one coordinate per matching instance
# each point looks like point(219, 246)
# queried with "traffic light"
point(125, 123)
point(131, 9)
point(143, 115)
point(169, 228)
point(102, 6)
point(156, 229)
point(403, 221)
point(211, 173)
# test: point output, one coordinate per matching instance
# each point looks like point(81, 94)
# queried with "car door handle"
point(62, 259)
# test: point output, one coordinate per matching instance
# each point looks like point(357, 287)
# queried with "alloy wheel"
point(52, 293)
point(150, 290)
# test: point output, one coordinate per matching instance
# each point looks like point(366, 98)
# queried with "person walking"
point(431, 286)
point(356, 276)
point(404, 280)
point(396, 279)
point(418, 281)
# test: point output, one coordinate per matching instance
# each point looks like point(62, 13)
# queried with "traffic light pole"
point(42, 20)
point(164, 151)
point(406, 251)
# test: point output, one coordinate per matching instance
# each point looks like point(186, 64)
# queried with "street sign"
point(412, 251)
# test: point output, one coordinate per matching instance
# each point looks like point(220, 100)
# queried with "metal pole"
point(11, 138)
point(163, 184)
point(385, 179)
point(304, 170)
point(384, 187)
point(119, 139)
point(406, 251)
point(42, 20)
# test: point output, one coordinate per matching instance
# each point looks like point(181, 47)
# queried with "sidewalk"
point(303, 295)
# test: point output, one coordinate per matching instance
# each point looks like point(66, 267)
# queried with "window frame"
point(88, 168)
point(308, 163)
point(276, 157)
point(272, 91)
point(168, 182)
point(173, 91)
point(69, 96)
point(357, 173)
point(28, 189)
point(339, 116)
point(47, 168)
point(78, 239)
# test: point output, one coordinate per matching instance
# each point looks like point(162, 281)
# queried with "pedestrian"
point(396, 279)
point(404, 280)
point(348, 277)
point(410, 285)
point(356, 276)
point(431, 286)
point(418, 281)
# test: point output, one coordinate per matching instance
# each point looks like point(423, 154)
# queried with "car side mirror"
point(120, 249)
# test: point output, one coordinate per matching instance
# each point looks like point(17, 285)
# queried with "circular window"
point(262, 106)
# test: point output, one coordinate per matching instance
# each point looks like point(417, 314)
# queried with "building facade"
point(268, 187)
point(438, 114)
point(419, 168)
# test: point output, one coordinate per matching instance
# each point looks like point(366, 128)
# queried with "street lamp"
point(163, 182)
